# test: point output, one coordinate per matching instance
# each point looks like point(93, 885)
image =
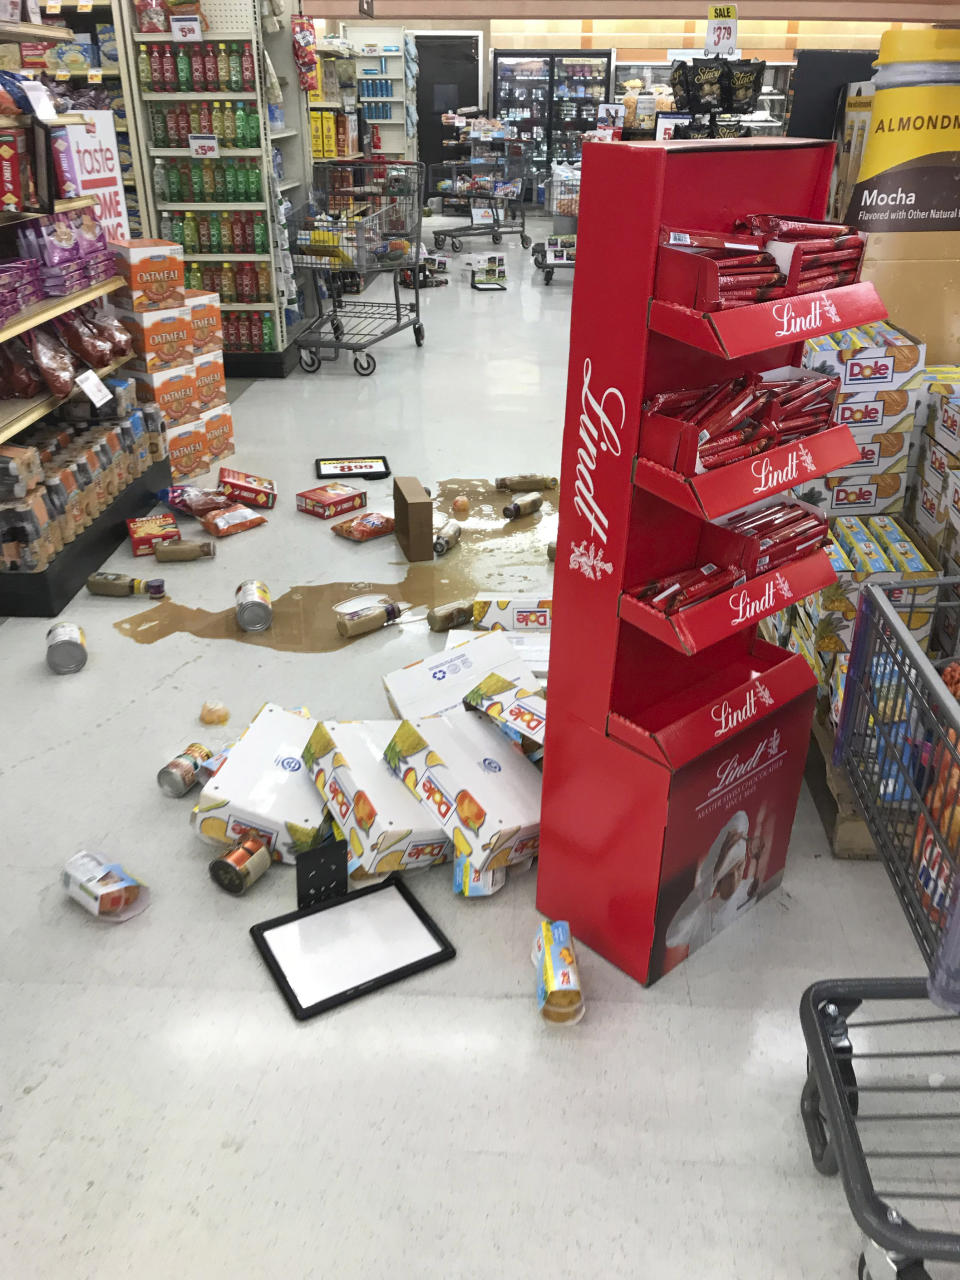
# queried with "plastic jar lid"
point(919, 46)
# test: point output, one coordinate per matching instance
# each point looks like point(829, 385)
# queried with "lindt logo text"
point(744, 607)
point(792, 320)
point(769, 477)
point(734, 770)
point(601, 422)
point(876, 370)
point(727, 717)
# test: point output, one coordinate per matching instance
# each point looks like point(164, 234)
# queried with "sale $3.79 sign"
point(721, 31)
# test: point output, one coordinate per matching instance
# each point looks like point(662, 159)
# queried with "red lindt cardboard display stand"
point(675, 745)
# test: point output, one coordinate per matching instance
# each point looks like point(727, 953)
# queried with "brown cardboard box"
point(413, 518)
point(917, 274)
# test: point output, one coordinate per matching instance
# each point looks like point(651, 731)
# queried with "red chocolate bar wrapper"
point(728, 416)
point(673, 402)
point(831, 245)
point(783, 228)
point(746, 262)
point(730, 575)
point(744, 281)
point(704, 239)
point(683, 581)
point(792, 529)
point(802, 387)
point(770, 518)
point(729, 300)
point(726, 392)
point(657, 585)
point(735, 455)
point(819, 283)
point(835, 260)
point(795, 549)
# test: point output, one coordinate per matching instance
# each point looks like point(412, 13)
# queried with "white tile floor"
point(162, 1114)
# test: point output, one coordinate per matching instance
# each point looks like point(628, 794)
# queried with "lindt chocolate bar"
point(783, 228)
point(730, 575)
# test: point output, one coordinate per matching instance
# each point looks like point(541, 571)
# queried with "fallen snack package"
point(194, 501)
point(104, 888)
point(362, 528)
point(235, 519)
point(558, 983)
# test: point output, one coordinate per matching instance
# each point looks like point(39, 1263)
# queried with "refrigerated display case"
point(551, 97)
point(769, 119)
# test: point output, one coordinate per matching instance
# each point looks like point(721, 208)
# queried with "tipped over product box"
point(258, 491)
point(264, 789)
point(332, 499)
point(104, 888)
point(485, 794)
point(517, 708)
point(383, 822)
point(146, 531)
point(492, 612)
point(531, 646)
point(441, 681)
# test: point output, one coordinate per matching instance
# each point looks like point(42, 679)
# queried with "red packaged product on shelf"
point(780, 227)
point(730, 575)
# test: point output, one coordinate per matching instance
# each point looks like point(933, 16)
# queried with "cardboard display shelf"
point(719, 616)
point(43, 595)
point(716, 493)
point(761, 326)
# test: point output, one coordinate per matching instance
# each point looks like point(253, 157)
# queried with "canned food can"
point(66, 648)
point(243, 866)
point(183, 771)
point(448, 537)
point(254, 609)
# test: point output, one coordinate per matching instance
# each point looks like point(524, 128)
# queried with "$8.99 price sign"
point(721, 31)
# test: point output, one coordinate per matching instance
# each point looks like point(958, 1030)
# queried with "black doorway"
point(448, 79)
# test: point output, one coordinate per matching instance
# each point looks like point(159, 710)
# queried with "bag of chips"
point(362, 528)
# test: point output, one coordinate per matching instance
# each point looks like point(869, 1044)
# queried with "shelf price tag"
point(721, 31)
point(93, 388)
point(186, 28)
point(53, 6)
point(94, 76)
point(84, 6)
point(204, 146)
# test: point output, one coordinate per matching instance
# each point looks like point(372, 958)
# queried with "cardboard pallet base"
point(833, 796)
point(260, 364)
point(43, 595)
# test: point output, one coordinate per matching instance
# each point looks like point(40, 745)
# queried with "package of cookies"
point(559, 996)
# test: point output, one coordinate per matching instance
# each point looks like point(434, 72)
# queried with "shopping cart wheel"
point(540, 260)
point(439, 240)
point(309, 360)
point(497, 237)
point(525, 242)
point(912, 1271)
point(548, 275)
point(418, 334)
point(818, 1135)
point(456, 244)
point(364, 364)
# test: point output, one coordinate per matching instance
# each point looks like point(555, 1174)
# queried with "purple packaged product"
point(28, 243)
point(58, 240)
point(67, 180)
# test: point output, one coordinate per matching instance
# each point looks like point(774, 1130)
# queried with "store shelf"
point(718, 617)
point(208, 95)
point(381, 99)
point(288, 184)
point(226, 153)
point(227, 257)
point(247, 306)
point(7, 217)
point(40, 312)
point(282, 133)
point(17, 415)
point(761, 326)
point(356, 155)
point(213, 37)
point(326, 106)
point(44, 595)
point(28, 32)
point(211, 206)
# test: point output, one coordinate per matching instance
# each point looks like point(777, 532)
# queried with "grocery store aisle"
point(162, 1113)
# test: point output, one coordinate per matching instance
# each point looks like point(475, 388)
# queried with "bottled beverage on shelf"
point(216, 121)
point(158, 126)
point(160, 182)
point(174, 192)
point(183, 124)
point(203, 231)
point(206, 124)
point(176, 228)
point(241, 173)
point(269, 340)
point(191, 239)
point(196, 181)
point(156, 69)
point(229, 330)
point(208, 181)
point(184, 73)
point(211, 281)
point(230, 180)
point(229, 125)
point(251, 131)
point(219, 181)
point(211, 75)
point(173, 130)
point(254, 184)
point(196, 67)
point(169, 70)
point(239, 124)
point(144, 74)
point(263, 281)
point(243, 330)
point(194, 110)
point(246, 288)
point(260, 237)
point(256, 331)
point(215, 245)
point(236, 70)
point(226, 234)
point(166, 225)
point(223, 66)
point(249, 244)
point(246, 66)
point(237, 221)
point(228, 285)
point(194, 276)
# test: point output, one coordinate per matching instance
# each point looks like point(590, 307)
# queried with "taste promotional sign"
point(96, 161)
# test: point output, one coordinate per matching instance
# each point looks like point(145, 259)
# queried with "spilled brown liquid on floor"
point(493, 554)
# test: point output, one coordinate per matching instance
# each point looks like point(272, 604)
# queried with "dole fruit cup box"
point(152, 272)
point(383, 822)
point(256, 491)
point(173, 391)
point(103, 888)
point(331, 499)
point(485, 794)
point(516, 613)
point(518, 709)
point(206, 319)
point(263, 789)
point(870, 358)
point(439, 683)
point(146, 531)
point(209, 378)
point(218, 426)
point(161, 339)
point(187, 445)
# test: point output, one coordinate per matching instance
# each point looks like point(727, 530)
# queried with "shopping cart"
point(559, 251)
point(880, 1103)
point(489, 188)
point(363, 220)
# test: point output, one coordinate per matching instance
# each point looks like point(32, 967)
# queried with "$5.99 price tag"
point(204, 146)
point(186, 28)
point(721, 31)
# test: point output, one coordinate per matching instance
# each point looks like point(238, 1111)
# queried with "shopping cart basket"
point(880, 1104)
point(559, 251)
point(363, 220)
point(489, 188)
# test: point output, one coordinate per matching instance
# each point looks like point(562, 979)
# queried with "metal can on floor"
point(448, 537)
point(254, 608)
point(183, 771)
point(66, 648)
point(243, 866)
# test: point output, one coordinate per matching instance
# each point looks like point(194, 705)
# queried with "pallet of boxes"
point(878, 535)
point(178, 340)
